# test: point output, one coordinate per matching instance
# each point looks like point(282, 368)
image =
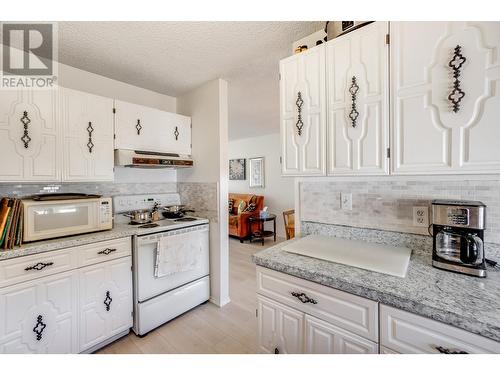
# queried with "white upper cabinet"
point(87, 122)
point(430, 134)
point(147, 129)
point(358, 101)
point(29, 136)
point(303, 113)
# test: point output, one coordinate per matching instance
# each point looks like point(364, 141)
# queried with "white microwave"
point(58, 218)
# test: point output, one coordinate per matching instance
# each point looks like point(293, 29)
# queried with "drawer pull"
point(107, 301)
point(302, 297)
point(442, 350)
point(106, 251)
point(39, 266)
point(276, 351)
point(40, 326)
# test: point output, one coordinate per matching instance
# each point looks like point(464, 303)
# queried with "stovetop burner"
point(149, 225)
point(135, 223)
point(185, 219)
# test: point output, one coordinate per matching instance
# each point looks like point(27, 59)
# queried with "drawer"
point(18, 270)
point(405, 332)
point(355, 314)
point(103, 251)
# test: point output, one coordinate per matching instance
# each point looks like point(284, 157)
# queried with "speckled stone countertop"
point(120, 230)
point(462, 301)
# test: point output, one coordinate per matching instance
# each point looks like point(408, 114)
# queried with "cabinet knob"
point(25, 120)
point(39, 327)
point(106, 251)
point(457, 94)
point(176, 133)
point(443, 350)
point(39, 266)
point(353, 90)
point(90, 145)
point(138, 126)
point(299, 124)
point(276, 351)
point(107, 301)
point(302, 297)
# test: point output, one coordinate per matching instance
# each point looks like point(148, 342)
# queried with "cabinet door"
point(357, 101)
point(325, 338)
point(105, 301)
point(88, 136)
point(40, 316)
point(303, 113)
point(180, 133)
point(281, 329)
point(29, 136)
point(431, 135)
point(148, 129)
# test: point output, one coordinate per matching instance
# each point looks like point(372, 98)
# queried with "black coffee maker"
point(458, 234)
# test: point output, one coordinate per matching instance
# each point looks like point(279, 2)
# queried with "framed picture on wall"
point(257, 172)
point(237, 169)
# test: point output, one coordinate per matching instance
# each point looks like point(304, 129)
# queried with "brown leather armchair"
point(238, 224)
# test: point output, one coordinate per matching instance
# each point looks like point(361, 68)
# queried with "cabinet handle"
point(176, 133)
point(302, 297)
point(39, 266)
point(25, 120)
point(442, 350)
point(456, 63)
point(107, 301)
point(276, 351)
point(138, 126)
point(299, 102)
point(39, 327)
point(106, 251)
point(353, 90)
point(90, 129)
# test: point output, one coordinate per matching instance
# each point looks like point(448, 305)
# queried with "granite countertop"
point(120, 230)
point(470, 303)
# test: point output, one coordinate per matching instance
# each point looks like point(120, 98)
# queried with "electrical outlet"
point(346, 201)
point(421, 216)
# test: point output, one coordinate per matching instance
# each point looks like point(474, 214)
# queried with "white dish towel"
point(175, 254)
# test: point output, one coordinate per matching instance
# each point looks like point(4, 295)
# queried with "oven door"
point(59, 218)
point(147, 285)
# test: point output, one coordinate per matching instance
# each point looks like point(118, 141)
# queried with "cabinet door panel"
point(47, 306)
point(40, 160)
point(358, 62)
point(303, 154)
point(430, 135)
point(324, 338)
point(281, 329)
point(83, 113)
point(105, 301)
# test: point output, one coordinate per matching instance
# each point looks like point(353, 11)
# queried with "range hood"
point(148, 159)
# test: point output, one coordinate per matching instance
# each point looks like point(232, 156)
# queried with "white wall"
point(82, 80)
point(278, 191)
point(208, 106)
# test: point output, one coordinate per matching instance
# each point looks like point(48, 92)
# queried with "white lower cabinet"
point(72, 311)
point(40, 316)
point(325, 338)
point(281, 329)
point(105, 301)
point(313, 318)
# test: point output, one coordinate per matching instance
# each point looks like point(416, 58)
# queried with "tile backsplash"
point(388, 204)
point(104, 188)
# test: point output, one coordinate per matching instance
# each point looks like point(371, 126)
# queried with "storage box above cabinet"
point(148, 129)
point(445, 100)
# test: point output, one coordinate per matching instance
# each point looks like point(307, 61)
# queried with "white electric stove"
point(184, 243)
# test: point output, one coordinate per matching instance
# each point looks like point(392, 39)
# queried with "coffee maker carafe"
point(458, 234)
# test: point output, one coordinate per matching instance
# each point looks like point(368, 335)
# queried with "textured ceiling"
point(173, 58)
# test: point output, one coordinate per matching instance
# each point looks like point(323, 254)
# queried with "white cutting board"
point(386, 259)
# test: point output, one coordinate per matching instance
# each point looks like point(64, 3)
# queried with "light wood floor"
point(208, 328)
